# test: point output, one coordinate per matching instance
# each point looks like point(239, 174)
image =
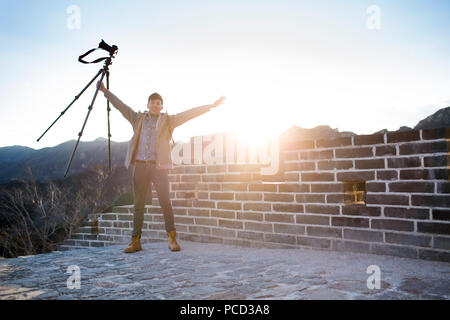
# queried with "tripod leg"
point(75, 99)
point(85, 120)
point(108, 109)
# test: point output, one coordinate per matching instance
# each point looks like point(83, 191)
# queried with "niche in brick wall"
point(354, 192)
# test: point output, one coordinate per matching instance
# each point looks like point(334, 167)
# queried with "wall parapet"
point(401, 206)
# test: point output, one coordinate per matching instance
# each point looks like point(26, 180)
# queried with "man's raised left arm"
point(180, 118)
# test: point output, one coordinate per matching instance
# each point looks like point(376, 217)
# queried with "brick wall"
point(405, 211)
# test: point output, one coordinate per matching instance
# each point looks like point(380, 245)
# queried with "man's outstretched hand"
point(218, 102)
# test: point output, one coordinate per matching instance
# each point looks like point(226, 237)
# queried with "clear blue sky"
point(279, 63)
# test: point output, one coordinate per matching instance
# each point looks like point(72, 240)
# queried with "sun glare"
point(255, 134)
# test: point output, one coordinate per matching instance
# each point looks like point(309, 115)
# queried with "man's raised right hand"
point(101, 87)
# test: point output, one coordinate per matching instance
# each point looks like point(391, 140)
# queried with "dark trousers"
point(143, 176)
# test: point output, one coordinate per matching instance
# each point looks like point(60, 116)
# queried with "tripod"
point(104, 71)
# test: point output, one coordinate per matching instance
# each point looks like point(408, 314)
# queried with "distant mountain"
point(14, 153)
point(439, 119)
point(319, 132)
point(51, 163)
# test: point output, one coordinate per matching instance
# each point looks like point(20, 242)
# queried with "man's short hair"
point(155, 96)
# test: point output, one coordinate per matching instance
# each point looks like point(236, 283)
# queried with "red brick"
point(327, 187)
point(223, 214)
point(206, 221)
point(257, 206)
point(249, 215)
point(391, 224)
point(317, 176)
point(279, 217)
point(259, 236)
point(404, 162)
point(390, 199)
point(324, 232)
point(407, 213)
point(424, 147)
point(335, 164)
point(350, 222)
point(375, 187)
point(262, 187)
point(288, 207)
point(316, 155)
point(401, 136)
point(369, 164)
point(410, 187)
point(279, 238)
point(235, 186)
point(361, 210)
point(249, 196)
point(312, 219)
point(230, 224)
point(385, 151)
point(203, 204)
point(387, 175)
point(190, 178)
point(198, 212)
point(308, 198)
point(229, 205)
point(221, 196)
point(316, 208)
point(284, 197)
point(368, 139)
point(266, 227)
point(293, 187)
point(359, 152)
point(288, 228)
point(431, 200)
point(436, 133)
point(355, 175)
point(434, 227)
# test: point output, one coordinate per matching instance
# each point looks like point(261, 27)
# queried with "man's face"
point(154, 106)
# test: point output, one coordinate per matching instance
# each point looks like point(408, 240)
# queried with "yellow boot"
point(173, 245)
point(135, 244)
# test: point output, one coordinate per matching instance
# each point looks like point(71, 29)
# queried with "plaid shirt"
point(147, 140)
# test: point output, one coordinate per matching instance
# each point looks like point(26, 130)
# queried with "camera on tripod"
point(111, 49)
point(103, 72)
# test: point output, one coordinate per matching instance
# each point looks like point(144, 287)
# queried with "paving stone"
point(323, 294)
point(223, 272)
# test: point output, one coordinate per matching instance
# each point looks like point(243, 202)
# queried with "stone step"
point(86, 223)
point(84, 230)
point(85, 237)
point(65, 248)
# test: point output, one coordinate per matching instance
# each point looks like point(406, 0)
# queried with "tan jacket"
point(163, 150)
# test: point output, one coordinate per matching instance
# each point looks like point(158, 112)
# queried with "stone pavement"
point(217, 271)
